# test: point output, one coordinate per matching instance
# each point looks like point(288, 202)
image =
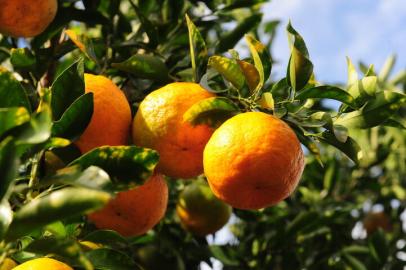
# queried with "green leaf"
point(354, 263)
point(57, 229)
point(145, 67)
point(12, 117)
point(230, 39)
point(61, 204)
point(64, 247)
point(198, 50)
point(22, 58)
point(9, 163)
point(110, 259)
point(356, 249)
point(352, 72)
point(37, 130)
point(363, 89)
point(393, 123)
point(229, 68)
point(75, 119)
point(67, 87)
point(106, 237)
point(12, 94)
point(301, 221)
point(211, 111)
point(374, 112)
point(350, 147)
point(92, 177)
point(329, 92)
point(127, 163)
point(220, 254)
point(379, 247)
point(300, 68)
point(6, 216)
point(262, 61)
point(387, 68)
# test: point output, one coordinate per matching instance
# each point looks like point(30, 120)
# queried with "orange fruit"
point(253, 160)
point(199, 211)
point(111, 119)
point(136, 211)
point(26, 18)
point(159, 125)
point(7, 264)
point(376, 220)
point(43, 264)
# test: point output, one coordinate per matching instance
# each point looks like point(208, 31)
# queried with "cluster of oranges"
point(253, 160)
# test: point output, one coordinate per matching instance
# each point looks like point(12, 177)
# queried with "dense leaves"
point(355, 163)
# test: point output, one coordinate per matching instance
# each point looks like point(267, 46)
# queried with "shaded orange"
point(159, 125)
point(253, 160)
point(136, 211)
point(111, 119)
point(26, 18)
point(376, 220)
point(7, 264)
point(43, 264)
point(199, 211)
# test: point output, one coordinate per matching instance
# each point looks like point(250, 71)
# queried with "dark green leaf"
point(242, 4)
point(61, 204)
point(62, 247)
point(198, 50)
point(329, 92)
point(127, 163)
point(300, 68)
point(350, 147)
point(147, 26)
point(106, 237)
point(211, 111)
point(12, 94)
point(300, 222)
point(110, 259)
point(354, 263)
point(230, 39)
point(8, 165)
point(145, 67)
point(374, 112)
point(75, 118)
point(68, 87)
point(379, 247)
point(12, 117)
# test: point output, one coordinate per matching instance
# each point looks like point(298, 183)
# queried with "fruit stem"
point(33, 174)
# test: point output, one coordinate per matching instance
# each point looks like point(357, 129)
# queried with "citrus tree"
point(132, 130)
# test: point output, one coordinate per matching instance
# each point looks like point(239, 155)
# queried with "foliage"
point(356, 158)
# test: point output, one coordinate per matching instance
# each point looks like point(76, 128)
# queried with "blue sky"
point(333, 29)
